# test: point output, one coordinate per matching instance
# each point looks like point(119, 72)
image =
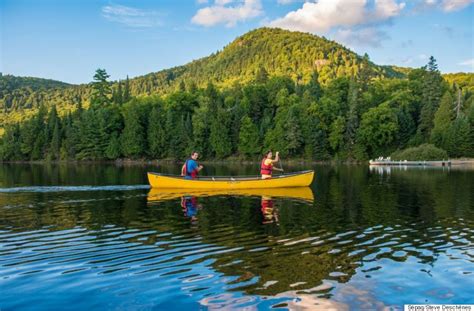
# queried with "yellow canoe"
point(300, 193)
point(297, 179)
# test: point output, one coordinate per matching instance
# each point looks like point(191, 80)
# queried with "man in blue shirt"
point(191, 168)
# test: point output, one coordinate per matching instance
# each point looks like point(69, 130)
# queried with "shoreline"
point(132, 162)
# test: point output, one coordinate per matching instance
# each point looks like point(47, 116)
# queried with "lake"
point(93, 236)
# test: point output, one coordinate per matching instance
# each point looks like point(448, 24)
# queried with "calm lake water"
point(89, 236)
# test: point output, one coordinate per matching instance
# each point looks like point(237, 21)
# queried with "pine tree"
point(316, 141)
point(458, 139)
point(336, 134)
point(55, 141)
point(249, 145)
point(220, 135)
point(113, 151)
point(201, 128)
point(442, 121)
point(293, 132)
point(352, 117)
point(126, 91)
point(133, 138)
point(10, 147)
point(101, 90)
point(156, 133)
point(118, 98)
point(432, 91)
point(68, 145)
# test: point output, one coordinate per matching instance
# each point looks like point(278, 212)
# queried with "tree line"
point(356, 117)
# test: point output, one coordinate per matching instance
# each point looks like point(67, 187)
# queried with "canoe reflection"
point(298, 193)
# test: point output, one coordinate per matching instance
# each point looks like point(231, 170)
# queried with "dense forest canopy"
point(305, 96)
point(280, 52)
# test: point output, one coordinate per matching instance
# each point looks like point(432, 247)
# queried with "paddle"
point(281, 166)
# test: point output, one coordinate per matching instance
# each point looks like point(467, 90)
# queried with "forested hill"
point(10, 83)
point(279, 52)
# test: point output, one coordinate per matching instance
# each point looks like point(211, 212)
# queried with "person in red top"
point(266, 166)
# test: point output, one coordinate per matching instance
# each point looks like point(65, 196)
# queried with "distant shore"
point(127, 162)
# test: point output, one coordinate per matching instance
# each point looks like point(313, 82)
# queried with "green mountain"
point(10, 83)
point(274, 51)
point(279, 52)
point(20, 97)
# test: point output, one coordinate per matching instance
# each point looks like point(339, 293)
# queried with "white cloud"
point(455, 5)
point(445, 5)
point(361, 37)
point(131, 16)
point(202, 1)
point(222, 13)
point(323, 15)
point(385, 9)
point(469, 62)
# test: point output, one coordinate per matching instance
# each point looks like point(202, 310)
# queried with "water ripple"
point(42, 189)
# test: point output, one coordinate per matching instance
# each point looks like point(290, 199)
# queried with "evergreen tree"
point(55, 141)
point(133, 140)
point(365, 73)
point(88, 136)
point(459, 138)
point(352, 117)
point(10, 148)
point(101, 89)
point(201, 128)
point(336, 134)
point(113, 150)
point(220, 134)
point(293, 132)
point(156, 133)
point(118, 94)
point(68, 144)
point(407, 127)
point(248, 138)
point(126, 91)
point(442, 121)
point(178, 139)
point(432, 91)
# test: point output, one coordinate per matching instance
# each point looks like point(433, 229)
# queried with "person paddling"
point(266, 166)
point(191, 168)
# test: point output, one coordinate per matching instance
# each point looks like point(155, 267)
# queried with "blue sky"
point(68, 40)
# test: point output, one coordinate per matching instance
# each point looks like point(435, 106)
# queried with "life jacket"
point(265, 169)
point(192, 174)
point(267, 210)
point(266, 205)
